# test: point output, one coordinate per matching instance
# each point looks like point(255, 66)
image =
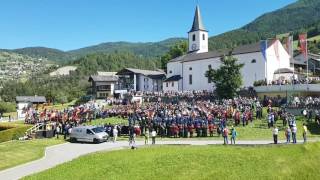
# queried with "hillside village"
point(16, 66)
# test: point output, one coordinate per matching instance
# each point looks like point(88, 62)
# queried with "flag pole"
point(307, 59)
point(291, 51)
point(266, 63)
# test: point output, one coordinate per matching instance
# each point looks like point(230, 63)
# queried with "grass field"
point(18, 152)
point(12, 130)
point(194, 162)
point(111, 120)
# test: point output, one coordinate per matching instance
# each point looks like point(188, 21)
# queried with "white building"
point(141, 80)
point(187, 72)
point(25, 102)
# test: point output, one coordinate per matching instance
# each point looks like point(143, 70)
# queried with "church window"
point(167, 84)
point(190, 68)
point(203, 37)
point(194, 37)
point(253, 61)
point(209, 66)
point(172, 84)
point(190, 78)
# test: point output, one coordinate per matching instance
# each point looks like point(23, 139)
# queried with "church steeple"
point(198, 35)
point(197, 21)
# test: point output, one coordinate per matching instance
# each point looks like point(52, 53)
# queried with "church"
point(187, 72)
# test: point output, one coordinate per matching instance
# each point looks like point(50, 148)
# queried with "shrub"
point(7, 107)
point(12, 132)
point(260, 83)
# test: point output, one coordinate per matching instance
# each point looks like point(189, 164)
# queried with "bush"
point(12, 132)
point(7, 107)
point(260, 83)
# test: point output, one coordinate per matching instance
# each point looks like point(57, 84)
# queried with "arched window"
point(253, 61)
point(194, 37)
point(203, 37)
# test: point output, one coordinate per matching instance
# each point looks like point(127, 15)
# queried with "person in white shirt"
point(275, 132)
point(115, 133)
point(294, 134)
point(153, 136)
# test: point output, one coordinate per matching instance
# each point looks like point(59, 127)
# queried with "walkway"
point(62, 153)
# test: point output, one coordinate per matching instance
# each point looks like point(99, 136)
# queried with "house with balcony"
point(103, 86)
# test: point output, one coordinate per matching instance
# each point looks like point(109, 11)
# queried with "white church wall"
point(172, 86)
point(273, 63)
point(199, 68)
point(253, 69)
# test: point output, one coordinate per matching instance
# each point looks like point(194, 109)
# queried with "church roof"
point(197, 21)
point(245, 49)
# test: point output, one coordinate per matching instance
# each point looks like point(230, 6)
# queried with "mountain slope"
point(297, 17)
point(149, 49)
point(43, 52)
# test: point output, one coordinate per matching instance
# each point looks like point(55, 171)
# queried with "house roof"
point(197, 21)
point(157, 76)
point(173, 78)
point(250, 48)
point(139, 71)
point(103, 73)
point(99, 78)
point(32, 99)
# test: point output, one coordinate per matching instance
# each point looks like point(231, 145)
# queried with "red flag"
point(303, 44)
point(276, 49)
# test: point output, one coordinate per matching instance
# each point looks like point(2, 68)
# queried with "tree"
point(227, 78)
point(179, 49)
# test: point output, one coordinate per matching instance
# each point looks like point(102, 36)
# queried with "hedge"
point(12, 132)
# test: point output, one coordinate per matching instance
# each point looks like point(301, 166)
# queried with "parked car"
point(88, 134)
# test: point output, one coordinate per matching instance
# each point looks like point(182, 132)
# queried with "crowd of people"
point(176, 115)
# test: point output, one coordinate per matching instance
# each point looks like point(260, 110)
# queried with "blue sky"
point(72, 24)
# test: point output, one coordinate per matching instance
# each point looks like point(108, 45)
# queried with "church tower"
point(198, 35)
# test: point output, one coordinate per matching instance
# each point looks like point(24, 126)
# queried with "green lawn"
point(12, 130)
point(111, 120)
point(18, 152)
point(194, 162)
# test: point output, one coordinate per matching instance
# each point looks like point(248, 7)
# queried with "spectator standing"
point(115, 133)
point(146, 137)
point(304, 134)
point(275, 135)
point(153, 136)
point(233, 135)
point(225, 135)
point(294, 134)
point(57, 131)
point(288, 134)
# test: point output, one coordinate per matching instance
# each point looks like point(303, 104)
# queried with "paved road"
point(59, 154)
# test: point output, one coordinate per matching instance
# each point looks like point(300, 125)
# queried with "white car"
point(88, 134)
